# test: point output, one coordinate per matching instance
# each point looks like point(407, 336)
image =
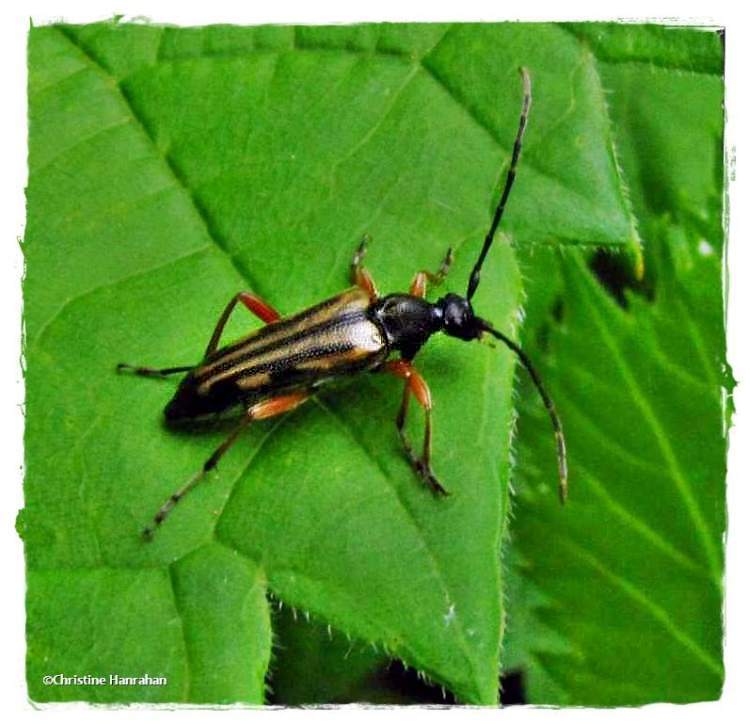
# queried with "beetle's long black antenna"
point(474, 278)
point(562, 458)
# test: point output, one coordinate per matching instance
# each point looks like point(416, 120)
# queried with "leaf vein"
point(180, 181)
point(129, 277)
point(662, 438)
point(656, 611)
point(183, 632)
point(490, 131)
point(639, 525)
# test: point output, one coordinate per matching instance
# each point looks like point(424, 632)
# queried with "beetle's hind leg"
point(180, 493)
point(260, 411)
point(415, 385)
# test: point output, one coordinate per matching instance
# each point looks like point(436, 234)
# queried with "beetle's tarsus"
point(359, 254)
point(424, 471)
point(428, 477)
point(151, 371)
point(445, 266)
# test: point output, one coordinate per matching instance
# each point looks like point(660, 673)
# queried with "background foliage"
point(169, 168)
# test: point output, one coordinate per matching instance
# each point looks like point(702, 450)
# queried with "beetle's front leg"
point(418, 286)
point(414, 384)
point(358, 274)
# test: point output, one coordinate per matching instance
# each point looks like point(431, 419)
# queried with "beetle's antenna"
point(562, 458)
point(474, 278)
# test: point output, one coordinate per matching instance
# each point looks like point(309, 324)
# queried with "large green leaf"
point(618, 598)
point(169, 168)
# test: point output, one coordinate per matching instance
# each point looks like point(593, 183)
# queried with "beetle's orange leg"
point(414, 384)
point(277, 405)
point(261, 411)
point(418, 286)
point(261, 309)
point(359, 275)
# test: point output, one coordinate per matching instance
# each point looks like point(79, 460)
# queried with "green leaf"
point(619, 595)
point(636, 556)
point(170, 168)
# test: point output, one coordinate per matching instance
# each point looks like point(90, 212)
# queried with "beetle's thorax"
point(409, 321)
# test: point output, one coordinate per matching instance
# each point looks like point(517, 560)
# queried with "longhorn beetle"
point(278, 367)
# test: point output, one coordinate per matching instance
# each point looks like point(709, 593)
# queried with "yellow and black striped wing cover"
point(331, 339)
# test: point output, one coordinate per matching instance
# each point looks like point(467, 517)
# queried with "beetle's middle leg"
point(260, 411)
point(260, 308)
point(414, 384)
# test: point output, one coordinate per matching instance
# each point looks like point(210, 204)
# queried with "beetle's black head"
point(458, 318)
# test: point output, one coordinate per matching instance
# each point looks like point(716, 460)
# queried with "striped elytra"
point(335, 337)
